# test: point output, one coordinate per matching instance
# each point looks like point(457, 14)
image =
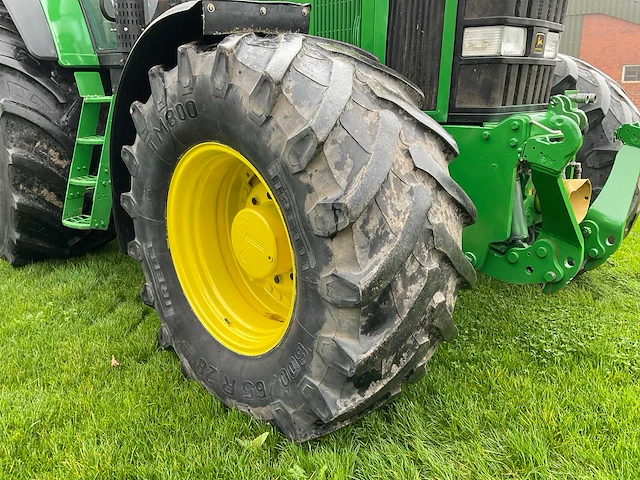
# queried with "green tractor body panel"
point(516, 149)
point(70, 33)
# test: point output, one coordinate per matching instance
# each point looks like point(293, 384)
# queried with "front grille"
point(548, 10)
point(528, 84)
point(338, 19)
point(414, 43)
point(496, 87)
point(523, 85)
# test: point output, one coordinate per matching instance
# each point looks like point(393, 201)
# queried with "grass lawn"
point(534, 386)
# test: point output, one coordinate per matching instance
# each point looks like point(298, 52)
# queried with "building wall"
point(609, 43)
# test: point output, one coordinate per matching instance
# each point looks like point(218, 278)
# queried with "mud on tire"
point(373, 215)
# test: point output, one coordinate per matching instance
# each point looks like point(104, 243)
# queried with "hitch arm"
point(612, 214)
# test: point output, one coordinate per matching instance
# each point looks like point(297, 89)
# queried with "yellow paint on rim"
point(231, 249)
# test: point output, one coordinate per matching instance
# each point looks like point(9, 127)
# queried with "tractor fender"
point(33, 27)
point(158, 45)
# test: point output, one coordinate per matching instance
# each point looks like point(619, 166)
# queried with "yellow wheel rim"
point(231, 249)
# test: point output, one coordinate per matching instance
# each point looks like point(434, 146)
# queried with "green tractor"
point(308, 186)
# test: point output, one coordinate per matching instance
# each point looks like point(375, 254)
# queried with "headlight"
point(552, 46)
point(494, 41)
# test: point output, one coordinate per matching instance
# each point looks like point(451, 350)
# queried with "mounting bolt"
point(593, 253)
point(541, 252)
point(550, 276)
point(305, 12)
point(486, 135)
point(586, 231)
point(263, 10)
point(513, 142)
point(211, 8)
point(513, 257)
point(515, 126)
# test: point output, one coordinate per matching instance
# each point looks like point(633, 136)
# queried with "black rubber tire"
point(376, 221)
point(40, 108)
point(612, 109)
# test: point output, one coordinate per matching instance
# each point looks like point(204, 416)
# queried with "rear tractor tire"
point(298, 229)
point(612, 109)
point(39, 114)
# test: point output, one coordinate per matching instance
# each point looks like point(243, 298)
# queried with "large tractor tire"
point(612, 109)
point(39, 110)
point(298, 229)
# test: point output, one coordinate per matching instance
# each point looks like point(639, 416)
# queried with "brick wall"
point(609, 43)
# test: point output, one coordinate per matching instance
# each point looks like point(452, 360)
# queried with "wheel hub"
point(231, 249)
point(255, 235)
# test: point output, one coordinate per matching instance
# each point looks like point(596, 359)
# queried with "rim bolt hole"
point(268, 195)
point(291, 276)
point(277, 279)
point(255, 201)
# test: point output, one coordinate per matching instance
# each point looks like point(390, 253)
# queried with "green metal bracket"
point(82, 178)
point(556, 255)
point(488, 170)
point(564, 106)
point(605, 225)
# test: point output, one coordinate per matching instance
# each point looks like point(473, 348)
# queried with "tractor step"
point(89, 171)
point(88, 181)
point(81, 222)
point(97, 99)
point(91, 140)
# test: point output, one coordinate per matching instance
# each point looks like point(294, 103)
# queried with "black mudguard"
point(158, 45)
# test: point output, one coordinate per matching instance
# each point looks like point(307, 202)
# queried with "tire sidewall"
point(236, 379)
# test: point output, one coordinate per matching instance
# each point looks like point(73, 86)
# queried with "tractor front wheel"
point(297, 226)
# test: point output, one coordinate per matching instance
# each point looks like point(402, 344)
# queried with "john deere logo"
point(538, 46)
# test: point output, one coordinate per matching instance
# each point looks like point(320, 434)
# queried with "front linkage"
point(534, 225)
